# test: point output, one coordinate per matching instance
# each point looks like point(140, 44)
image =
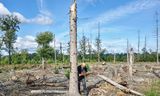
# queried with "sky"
point(119, 20)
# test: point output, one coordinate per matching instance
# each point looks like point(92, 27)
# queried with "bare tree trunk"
point(131, 57)
point(61, 54)
point(43, 66)
point(55, 58)
point(157, 37)
point(145, 44)
point(138, 55)
point(98, 42)
point(73, 83)
point(114, 61)
point(90, 47)
point(127, 51)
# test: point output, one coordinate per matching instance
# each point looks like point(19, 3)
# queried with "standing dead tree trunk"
point(157, 37)
point(98, 43)
point(138, 54)
point(73, 83)
point(55, 58)
point(114, 60)
point(131, 60)
point(61, 51)
point(127, 51)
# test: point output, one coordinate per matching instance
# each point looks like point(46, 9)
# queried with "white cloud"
point(44, 17)
point(3, 10)
point(27, 42)
point(131, 8)
point(41, 19)
point(113, 15)
point(115, 45)
point(19, 16)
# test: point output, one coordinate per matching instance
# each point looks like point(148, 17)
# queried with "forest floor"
point(25, 80)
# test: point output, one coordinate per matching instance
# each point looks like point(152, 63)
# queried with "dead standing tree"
point(73, 83)
point(138, 54)
point(127, 51)
point(98, 43)
point(157, 37)
point(131, 60)
point(55, 55)
point(114, 60)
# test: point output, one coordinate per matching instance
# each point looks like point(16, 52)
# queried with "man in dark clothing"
point(82, 72)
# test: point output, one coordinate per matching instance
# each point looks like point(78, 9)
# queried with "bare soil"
point(20, 82)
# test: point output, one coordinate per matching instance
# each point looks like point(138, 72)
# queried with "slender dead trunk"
point(98, 42)
point(73, 83)
point(114, 61)
point(157, 37)
point(55, 58)
point(90, 47)
point(61, 55)
point(138, 54)
point(131, 59)
point(127, 51)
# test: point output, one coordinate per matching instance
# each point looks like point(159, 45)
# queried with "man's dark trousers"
point(84, 86)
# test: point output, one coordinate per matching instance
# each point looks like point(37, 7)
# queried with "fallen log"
point(155, 68)
point(125, 89)
point(50, 84)
point(156, 73)
point(48, 91)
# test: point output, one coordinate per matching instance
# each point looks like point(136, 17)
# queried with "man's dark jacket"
point(81, 70)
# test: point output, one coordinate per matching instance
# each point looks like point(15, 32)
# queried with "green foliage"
point(50, 61)
point(88, 67)
point(25, 56)
point(151, 93)
point(9, 24)
point(56, 70)
point(46, 51)
point(1, 44)
point(154, 89)
point(4, 60)
point(44, 38)
point(67, 73)
point(83, 47)
point(16, 58)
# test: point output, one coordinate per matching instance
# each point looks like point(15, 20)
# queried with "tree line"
point(45, 53)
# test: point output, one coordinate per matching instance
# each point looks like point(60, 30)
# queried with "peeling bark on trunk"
point(73, 84)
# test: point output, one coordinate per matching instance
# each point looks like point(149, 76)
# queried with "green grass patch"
point(154, 89)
